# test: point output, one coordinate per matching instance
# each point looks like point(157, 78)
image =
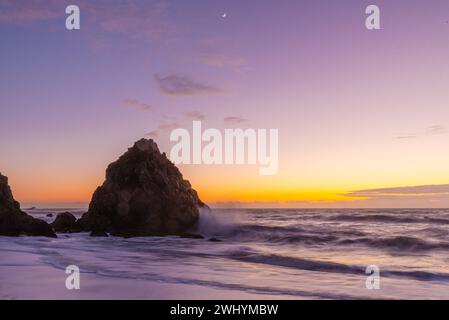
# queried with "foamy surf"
point(288, 254)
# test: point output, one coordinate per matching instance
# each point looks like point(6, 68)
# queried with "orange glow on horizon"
point(83, 194)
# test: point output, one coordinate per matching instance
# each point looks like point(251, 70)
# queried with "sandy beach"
point(22, 276)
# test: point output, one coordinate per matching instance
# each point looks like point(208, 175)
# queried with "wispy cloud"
point(170, 123)
point(402, 191)
point(195, 115)
point(153, 134)
point(24, 12)
point(430, 131)
point(234, 120)
point(217, 59)
point(423, 196)
point(136, 104)
point(436, 130)
point(165, 127)
point(183, 85)
point(145, 20)
point(405, 137)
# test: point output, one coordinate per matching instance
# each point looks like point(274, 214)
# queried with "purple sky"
point(355, 109)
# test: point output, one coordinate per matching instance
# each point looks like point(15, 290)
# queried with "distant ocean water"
point(294, 253)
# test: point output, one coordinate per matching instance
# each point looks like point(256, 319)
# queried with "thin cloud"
point(219, 60)
point(402, 191)
point(152, 134)
point(183, 85)
point(162, 128)
point(25, 12)
point(436, 130)
point(136, 104)
point(172, 122)
point(405, 137)
point(233, 120)
point(145, 20)
point(430, 131)
point(195, 115)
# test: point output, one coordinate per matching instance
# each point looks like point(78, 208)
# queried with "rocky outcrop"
point(98, 234)
point(144, 194)
point(13, 221)
point(64, 222)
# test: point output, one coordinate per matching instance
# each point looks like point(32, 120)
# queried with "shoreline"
point(22, 273)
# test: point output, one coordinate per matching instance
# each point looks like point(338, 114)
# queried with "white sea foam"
point(213, 223)
point(263, 254)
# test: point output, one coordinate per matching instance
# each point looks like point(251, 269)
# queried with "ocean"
point(258, 254)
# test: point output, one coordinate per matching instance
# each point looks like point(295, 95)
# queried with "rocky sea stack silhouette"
point(144, 194)
point(13, 221)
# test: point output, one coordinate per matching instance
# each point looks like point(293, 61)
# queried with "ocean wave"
point(293, 233)
point(320, 234)
point(330, 267)
point(386, 218)
point(293, 262)
point(402, 243)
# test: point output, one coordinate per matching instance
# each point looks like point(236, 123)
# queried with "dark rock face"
point(64, 222)
point(13, 221)
point(144, 194)
point(98, 234)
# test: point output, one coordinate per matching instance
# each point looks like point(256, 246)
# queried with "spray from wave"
point(212, 224)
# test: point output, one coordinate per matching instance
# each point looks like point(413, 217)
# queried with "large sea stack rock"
point(13, 221)
point(144, 195)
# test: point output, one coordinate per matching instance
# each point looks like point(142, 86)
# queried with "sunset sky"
point(363, 116)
